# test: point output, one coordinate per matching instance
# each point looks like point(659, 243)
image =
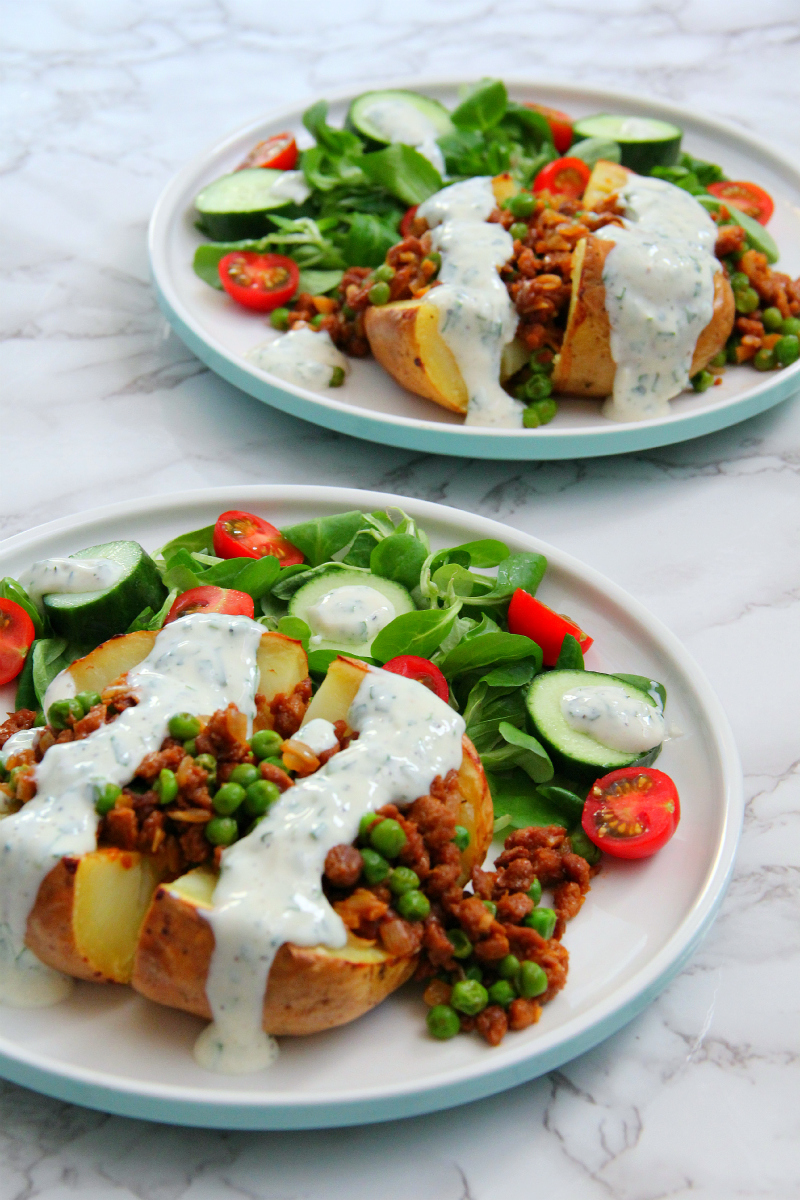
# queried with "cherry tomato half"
point(243, 535)
point(632, 813)
point(259, 281)
point(564, 177)
point(560, 125)
point(16, 635)
point(543, 625)
point(748, 197)
point(421, 669)
point(279, 153)
point(212, 600)
point(407, 220)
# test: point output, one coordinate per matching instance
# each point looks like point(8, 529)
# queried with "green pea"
point(739, 281)
point(584, 847)
point(277, 761)
point(730, 350)
point(3, 772)
point(347, 312)
point(388, 838)
point(402, 880)
point(383, 274)
point(375, 868)
point(790, 325)
point(245, 774)
point(543, 920)
point(719, 360)
point(337, 377)
point(521, 205)
point(208, 763)
point(435, 258)
point(469, 997)
point(166, 786)
point(316, 321)
point(490, 906)
point(13, 776)
point(265, 743)
point(279, 318)
point(764, 359)
point(260, 796)
point(519, 231)
point(443, 1022)
point(531, 980)
point(106, 798)
point(40, 720)
point(365, 824)
point(379, 293)
point(508, 966)
point(787, 350)
point(747, 300)
point(502, 993)
point(702, 381)
point(540, 413)
point(461, 837)
point(222, 831)
point(537, 388)
point(772, 319)
point(413, 905)
point(474, 972)
point(183, 726)
point(60, 711)
point(535, 891)
point(462, 946)
point(228, 798)
point(88, 700)
point(190, 747)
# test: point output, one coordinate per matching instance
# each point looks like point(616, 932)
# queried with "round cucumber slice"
point(236, 206)
point(349, 621)
point(91, 617)
point(643, 141)
point(398, 116)
point(574, 753)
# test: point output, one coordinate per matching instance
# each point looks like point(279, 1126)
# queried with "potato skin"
point(585, 366)
point(49, 931)
point(309, 989)
point(404, 338)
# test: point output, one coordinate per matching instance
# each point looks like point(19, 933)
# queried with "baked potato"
point(309, 989)
point(88, 911)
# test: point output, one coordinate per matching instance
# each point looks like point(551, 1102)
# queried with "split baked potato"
point(309, 988)
point(89, 910)
point(404, 336)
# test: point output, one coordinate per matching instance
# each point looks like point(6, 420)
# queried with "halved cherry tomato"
point(407, 220)
point(560, 125)
point(212, 600)
point(259, 281)
point(244, 535)
point(564, 177)
point(748, 197)
point(16, 635)
point(632, 813)
point(421, 669)
point(547, 628)
point(279, 153)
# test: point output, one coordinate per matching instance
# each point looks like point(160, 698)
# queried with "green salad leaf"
point(519, 749)
point(414, 633)
point(403, 172)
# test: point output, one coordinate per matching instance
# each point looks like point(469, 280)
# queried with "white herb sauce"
point(270, 887)
point(399, 120)
point(350, 614)
point(81, 576)
point(477, 318)
point(659, 282)
point(23, 739)
point(319, 735)
point(198, 664)
point(614, 718)
point(291, 186)
point(300, 356)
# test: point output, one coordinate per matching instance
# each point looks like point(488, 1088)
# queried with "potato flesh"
point(404, 337)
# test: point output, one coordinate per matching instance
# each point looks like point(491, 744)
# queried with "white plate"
point(370, 404)
point(110, 1049)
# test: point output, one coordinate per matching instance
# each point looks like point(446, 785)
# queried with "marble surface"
point(698, 1096)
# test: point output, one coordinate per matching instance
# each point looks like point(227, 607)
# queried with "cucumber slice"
point(576, 754)
point(398, 116)
point(91, 617)
point(643, 141)
point(235, 206)
point(348, 623)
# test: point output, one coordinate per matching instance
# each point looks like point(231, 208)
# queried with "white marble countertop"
point(698, 1096)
